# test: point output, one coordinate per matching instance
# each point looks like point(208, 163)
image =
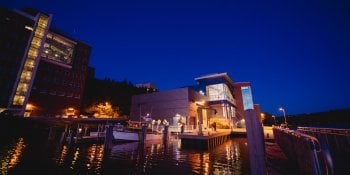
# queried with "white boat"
point(133, 133)
point(128, 136)
point(135, 136)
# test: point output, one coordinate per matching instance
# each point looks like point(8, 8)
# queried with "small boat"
point(134, 132)
point(126, 136)
point(135, 136)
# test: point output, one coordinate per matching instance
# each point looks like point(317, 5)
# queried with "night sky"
point(295, 53)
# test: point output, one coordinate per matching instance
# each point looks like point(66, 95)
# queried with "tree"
point(104, 110)
point(118, 94)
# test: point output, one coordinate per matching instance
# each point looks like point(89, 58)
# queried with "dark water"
point(28, 155)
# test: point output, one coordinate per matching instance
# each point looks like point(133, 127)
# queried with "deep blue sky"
point(295, 53)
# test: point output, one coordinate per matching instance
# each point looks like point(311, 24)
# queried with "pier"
point(207, 140)
point(239, 132)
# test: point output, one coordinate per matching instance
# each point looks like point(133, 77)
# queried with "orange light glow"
point(30, 107)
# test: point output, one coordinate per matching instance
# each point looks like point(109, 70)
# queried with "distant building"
point(149, 86)
point(213, 98)
point(47, 67)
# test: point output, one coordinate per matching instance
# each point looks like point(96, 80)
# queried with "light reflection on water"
point(134, 158)
point(11, 154)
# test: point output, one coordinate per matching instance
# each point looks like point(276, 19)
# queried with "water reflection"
point(169, 158)
point(60, 158)
point(85, 158)
point(11, 155)
point(127, 158)
point(95, 157)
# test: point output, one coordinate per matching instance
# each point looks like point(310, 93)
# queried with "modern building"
point(212, 99)
point(47, 68)
point(219, 88)
point(174, 106)
point(16, 32)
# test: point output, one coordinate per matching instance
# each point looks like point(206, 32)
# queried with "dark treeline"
point(118, 93)
point(328, 118)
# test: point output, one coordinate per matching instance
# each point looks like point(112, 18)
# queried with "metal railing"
point(335, 144)
point(302, 150)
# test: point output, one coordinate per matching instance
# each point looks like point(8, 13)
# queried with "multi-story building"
point(16, 33)
point(48, 68)
point(219, 88)
point(214, 98)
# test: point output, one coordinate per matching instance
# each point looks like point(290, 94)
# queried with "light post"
point(274, 118)
point(284, 114)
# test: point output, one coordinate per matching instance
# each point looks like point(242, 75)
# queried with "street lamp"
point(284, 114)
point(274, 118)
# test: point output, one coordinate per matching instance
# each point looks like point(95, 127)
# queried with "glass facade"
point(29, 64)
point(58, 49)
point(247, 98)
point(218, 92)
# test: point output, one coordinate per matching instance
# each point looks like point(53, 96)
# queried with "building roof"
point(242, 83)
point(216, 75)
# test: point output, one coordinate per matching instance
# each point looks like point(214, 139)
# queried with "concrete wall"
point(166, 105)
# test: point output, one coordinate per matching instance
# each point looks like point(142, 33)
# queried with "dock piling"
point(256, 143)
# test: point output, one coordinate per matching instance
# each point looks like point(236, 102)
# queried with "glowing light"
point(200, 102)
point(29, 28)
point(13, 158)
point(30, 107)
point(62, 156)
point(32, 56)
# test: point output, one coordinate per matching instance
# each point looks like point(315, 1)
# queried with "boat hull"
point(134, 136)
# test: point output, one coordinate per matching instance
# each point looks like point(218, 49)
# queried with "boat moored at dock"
point(136, 131)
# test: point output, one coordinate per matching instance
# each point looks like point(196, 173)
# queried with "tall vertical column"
point(27, 73)
point(256, 143)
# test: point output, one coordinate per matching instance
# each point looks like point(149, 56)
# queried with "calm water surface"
point(23, 155)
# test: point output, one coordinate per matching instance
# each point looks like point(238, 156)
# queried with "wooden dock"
point(239, 132)
point(208, 140)
point(89, 139)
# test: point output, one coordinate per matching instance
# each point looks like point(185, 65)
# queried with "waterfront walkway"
point(207, 140)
